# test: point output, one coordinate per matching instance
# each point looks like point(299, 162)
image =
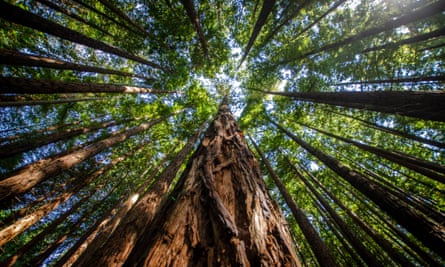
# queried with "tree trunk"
point(379, 239)
point(428, 232)
point(119, 245)
point(422, 37)
point(9, 85)
point(28, 144)
point(425, 12)
point(321, 251)
point(436, 78)
point(28, 19)
point(191, 12)
point(430, 169)
point(39, 171)
point(220, 213)
point(20, 103)
point(422, 105)
point(266, 9)
point(15, 58)
point(101, 238)
point(74, 16)
point(394, 131)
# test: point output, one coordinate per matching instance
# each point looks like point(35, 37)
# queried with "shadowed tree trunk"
point(19, 103)
point(262, 18)
point(321, 251)
point(220, 213)
point(119, 245)
point(11, 57)
point(427, 231)
point(424, 105)
point(437, 78)
point(28, 19)
point(191, 12)
point(33, 86)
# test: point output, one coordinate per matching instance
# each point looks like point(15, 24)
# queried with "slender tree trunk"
point(394, 131)
point(27, 221)
point(28, 144)
point(320, 249)
point(419, 38)
point(101, 238)
point(438, 78)
point(74, 16)
point(191, 12)
point(220, 213)
point(21, 103)
point(28, 19)
point(430, 169)
point(428, 232)
point(337, 4)
point(422, 105)
point(379, 239)
point(15, 58)
point(266, 9)
point(33, 86)
point(122, 15)
point(37, 172)
point(425, 12)
point(66, 232)
point(119, 245)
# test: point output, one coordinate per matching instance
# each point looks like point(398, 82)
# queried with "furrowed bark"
point(219, 213)
point(120, 244)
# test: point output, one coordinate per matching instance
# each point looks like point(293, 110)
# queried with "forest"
point(222, 133)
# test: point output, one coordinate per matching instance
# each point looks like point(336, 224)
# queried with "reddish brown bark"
point(119, 245)
point(220, 213)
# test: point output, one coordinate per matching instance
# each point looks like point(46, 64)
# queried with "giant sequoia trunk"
point(220, 213)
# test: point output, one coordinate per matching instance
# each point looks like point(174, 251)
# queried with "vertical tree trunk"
point(220, 213)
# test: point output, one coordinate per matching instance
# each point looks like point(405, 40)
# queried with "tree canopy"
point(341, 101)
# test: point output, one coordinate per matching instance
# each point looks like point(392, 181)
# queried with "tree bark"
point(9, 85)
point(220, 213)
point(436, 78)
point(16, 58)
point(422, 105)
point(320, 249)
point(119, 245)
point(37, 172)
point(28, 19)
point(108, 229)
point(20, 103)
point(428, 232)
